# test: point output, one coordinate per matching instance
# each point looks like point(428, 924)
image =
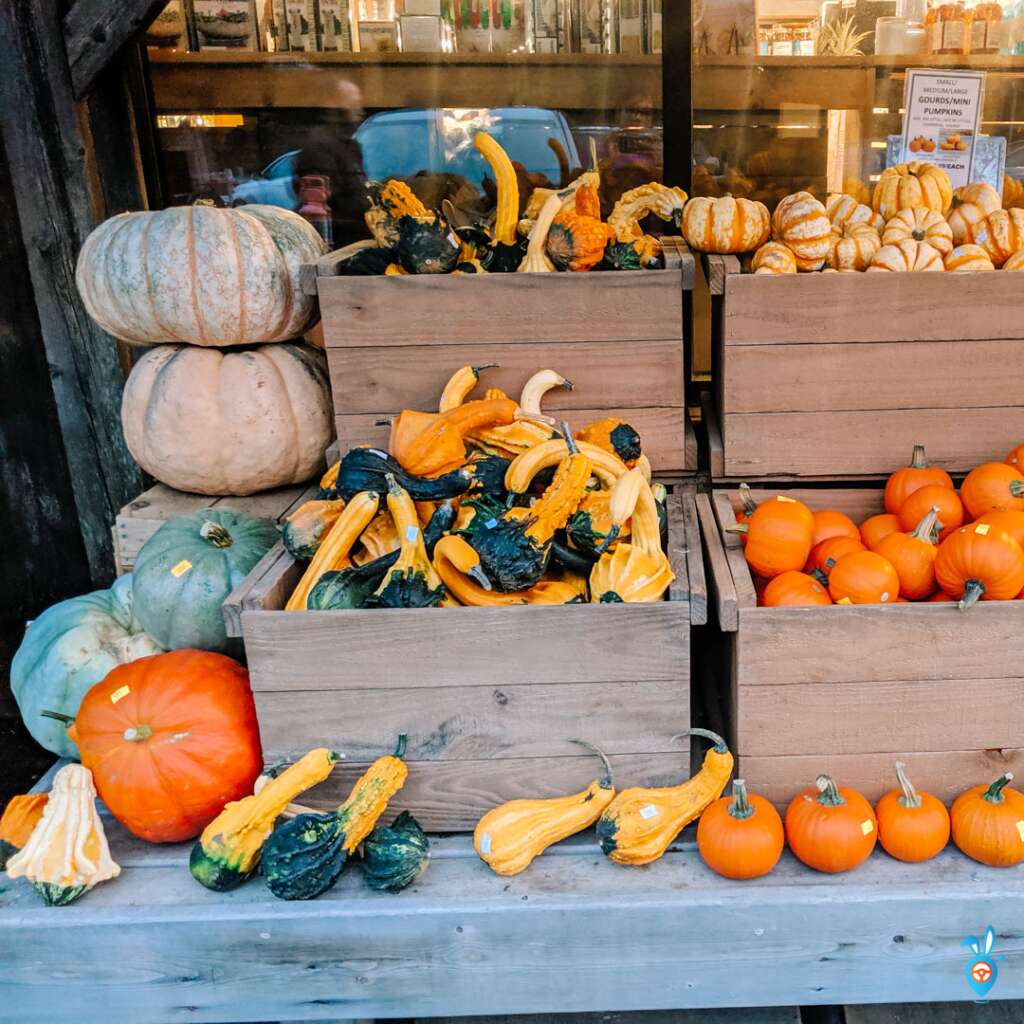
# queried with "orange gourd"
point(1009, 520)
point(874, 528)
point(779, 536)
point(986, 823)
point(1016, 457)
point(913, 555)
point(993, 485)
point(741, 836)
point(863, 577)
point(794, 590)
point(905, 481)
point(20, 816)
point(825, 555)
point(917, 506)
point(913, 826)
point(828, 523)
point(980, 562)
point(941, 597)
point(830, 829)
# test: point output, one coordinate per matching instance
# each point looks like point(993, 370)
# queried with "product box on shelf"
point(850, 690)
point(488, 697)
point(838, 376)
point(392, 343)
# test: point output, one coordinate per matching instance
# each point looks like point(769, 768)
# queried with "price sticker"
point(1020, 829)
point(119, 694)
point(782, 497)
point(411, 533)
point(485, 843)
point(648, 811)
point(867, 827)
point(981, 529)
point(844, 600)
point(490, 524)
point(181, 568)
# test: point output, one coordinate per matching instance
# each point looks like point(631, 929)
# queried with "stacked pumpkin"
point(464, 510)
point(931, 543)
point(229, 401)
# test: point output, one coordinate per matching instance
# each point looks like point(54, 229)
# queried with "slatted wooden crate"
point(850, 690)
point(837, 376)
point(141, 518)
point(392, 343)
point(489, 697)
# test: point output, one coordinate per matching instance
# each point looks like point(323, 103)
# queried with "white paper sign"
point(942, 119)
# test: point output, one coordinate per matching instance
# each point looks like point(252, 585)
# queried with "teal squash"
point(394, 857)
point(69, 649)
point(186, 570)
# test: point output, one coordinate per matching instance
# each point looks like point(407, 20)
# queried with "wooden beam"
point(95, 32)
point(50, 159)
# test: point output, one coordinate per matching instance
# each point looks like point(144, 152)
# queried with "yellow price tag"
point(844, 600)
point(782, 497)
point(867, 827)
point(181, 568)
point(119, 694)
point(1020, 829)
point(981, 529)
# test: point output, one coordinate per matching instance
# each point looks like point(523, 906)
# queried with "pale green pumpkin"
point(188, 567)
point(69, 649)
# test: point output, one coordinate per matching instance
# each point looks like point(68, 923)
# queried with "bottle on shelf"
point(986, 28)
point(334, 26)
point(948, 26)
point(225, 24)
point(314, 197)
point(168, 30)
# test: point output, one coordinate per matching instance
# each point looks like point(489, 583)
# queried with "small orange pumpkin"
point(825, 555)
point(1000, 234)
point(741, 836)
point(905, 481)
point(951, 509)
point(980, 562)
point(1010, 520)
point(801, 222)
point(1016, 457)
point(725, 225)
point(912, 184)
point(986, 823)
point(829, 523)
point(993, 485)
point(1015, 261)
point(830, 828)
point(778, 536)
point(794, 590)
point(773, 258)
point(863, 577)
point(913, 826)
point(874, 528)
point(913, 557)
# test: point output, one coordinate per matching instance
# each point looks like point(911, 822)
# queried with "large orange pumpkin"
point(1010, 520)
point(170, 739)
point(993, 485)
point(980, 561)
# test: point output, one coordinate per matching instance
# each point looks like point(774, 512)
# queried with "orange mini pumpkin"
point(830, 828)
point(1010, 520)
point(829, 523)
point(1000, 234)
point(968, 259)
point(825, 555)
point(971, 203)
point(1016, 457)
point(993, 485)
point(778, 536)
point(986, 823)
point(794, 590)
point(741, 836)
point(863, 577)
point(913, 826)
point(913, 557)
point(919, 225)
point(905, 481)
point(874, 528)
point(801, 222)
point(980, 562)
point(951, 509)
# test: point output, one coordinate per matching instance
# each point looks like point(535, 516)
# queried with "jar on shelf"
point(803, 41)
point(986, 35)
point(948, 25)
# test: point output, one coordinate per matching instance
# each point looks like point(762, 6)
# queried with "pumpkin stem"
point(740, 807)
point(820, 576)
point(830, 795)
point(137, 733)
point(215, 534)
point(721, 746)
point(477, 573)
point(483, 366)
point(747, 499)
point(1017, 488)
point(918, 460)
point(605, 782)
point(570, 441)
point(994, 793)
point(910, 796)
point(736, 528)
point(929, 526)
point(400, 749)
point(613, 535)
point(66, 719)
point(973, 590)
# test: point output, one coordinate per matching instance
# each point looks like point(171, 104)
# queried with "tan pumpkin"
point(921, 225)
point(844, 211)
point(968, 259)
point(773, 258)
point(200, 275)
point(1016, 261)
point(725, 224)
point(1001, 234)
point(906, 256)
point(229, 422)
point(971, 203)
point(911, 185)
point(853, 247)
point(1013, 193)
point(800, 221)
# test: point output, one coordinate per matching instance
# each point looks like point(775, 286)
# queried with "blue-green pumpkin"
point(67, 650)
point(186, 570)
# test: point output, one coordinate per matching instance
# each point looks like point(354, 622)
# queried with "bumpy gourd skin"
point(306, 526)
point(394, 857)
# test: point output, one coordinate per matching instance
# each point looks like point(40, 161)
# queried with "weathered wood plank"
point(717, 269)
point(275, 560)
point(742, 1015)
point(462, 309)
point(685, 555)
point(1000, 1012)
point(831, 378)
point(856, 502)
point(746, 597)
point(716, 447)
point(385, 379)
point(722, 587)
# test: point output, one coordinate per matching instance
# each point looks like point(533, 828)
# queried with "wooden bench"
point(572, 933)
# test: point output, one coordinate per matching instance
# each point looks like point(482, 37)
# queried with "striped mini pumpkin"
point(1015, 262)
point(913, 184)
point(906, 256)
point(971, 203)
point(853, 248)
point(968, 259)
point(844, 211)
point(1001, 234)
point(920, 225)
point(725, 224)
point(773, 258)
point(802, 223)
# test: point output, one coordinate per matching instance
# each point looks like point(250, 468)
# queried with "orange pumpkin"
point(941, 597)
point(980, 562)
point(725, 225)
point(830, 829)
point(913, 555)
point(874, 528)
point(825, 555)
point(913, 826)
point(1016, 457)
point(1015, 261)
point(829, 523)
point(794, 590)
point(986, 823)
point(778, 536)
point(1010, 520)
point(906, 257)
point(170, 739)
point(20, 817)
point(863, 577)
point(970, 204)
point(993, 485)
point(1000, 234)
point(740, 836)
point(773, 258)
point(951, 509)
point(904, 482)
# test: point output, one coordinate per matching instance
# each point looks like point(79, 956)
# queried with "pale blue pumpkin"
point(69, 649)
point(188, 567)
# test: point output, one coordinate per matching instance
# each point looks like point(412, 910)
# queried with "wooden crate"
point(840, 375)
point(849, 690)
point(392, 343)
point(489, 697)
point(141, 518)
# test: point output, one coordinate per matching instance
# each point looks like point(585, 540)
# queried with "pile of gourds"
point(931, 543)
point(916, 222)
point(554, 230)
point(484, 504)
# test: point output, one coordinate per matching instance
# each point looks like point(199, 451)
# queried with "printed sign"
point(942, 119)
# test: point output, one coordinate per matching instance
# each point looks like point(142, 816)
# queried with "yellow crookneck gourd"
point(509, 837)
point(307, 526)
point(504, 252)
point(229, 849)
point(639, 824)
point(67, 852)
point(519, 475)
point(334, 549)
